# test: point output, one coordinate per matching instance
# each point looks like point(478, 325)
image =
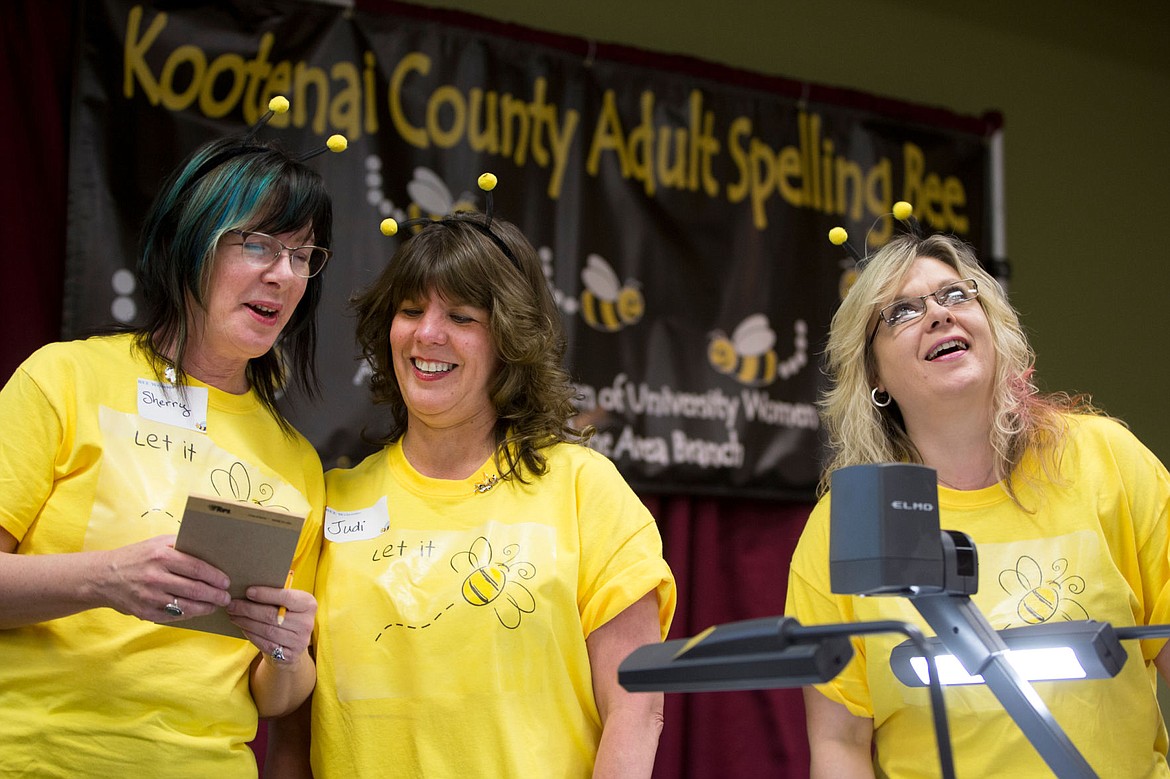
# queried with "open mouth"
point(947, 347)
point(429, 367)
point(264, 311)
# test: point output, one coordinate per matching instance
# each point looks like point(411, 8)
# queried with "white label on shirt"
point(360, 525)
point(171, 405)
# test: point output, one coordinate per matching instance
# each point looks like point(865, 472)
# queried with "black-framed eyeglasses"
point(261, 250)
point(908, 309)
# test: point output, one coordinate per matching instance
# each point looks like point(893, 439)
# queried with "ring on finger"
point(173, 608)
point(278, 653)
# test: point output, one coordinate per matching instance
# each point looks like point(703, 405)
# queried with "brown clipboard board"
point(252, 544)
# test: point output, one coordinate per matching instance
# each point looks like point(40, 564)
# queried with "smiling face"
point(247, 307)
point(942, 357)
point(444, 362)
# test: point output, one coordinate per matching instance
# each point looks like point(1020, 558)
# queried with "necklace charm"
point(487, 483)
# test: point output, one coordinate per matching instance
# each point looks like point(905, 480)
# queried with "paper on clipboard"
point(253, 545)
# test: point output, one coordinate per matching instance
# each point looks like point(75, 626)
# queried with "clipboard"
point(252, 544)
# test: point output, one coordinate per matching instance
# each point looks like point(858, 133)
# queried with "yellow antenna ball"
point(838, 236)
point(278, 104)
point(337, 143)
point(903, 210)
point(487, 182)
point(389, 227)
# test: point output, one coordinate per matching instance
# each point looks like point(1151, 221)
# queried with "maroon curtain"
point(730, 555)
point(730, 558)
point(37, 45)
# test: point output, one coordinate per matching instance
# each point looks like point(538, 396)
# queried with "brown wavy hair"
point(531, 393)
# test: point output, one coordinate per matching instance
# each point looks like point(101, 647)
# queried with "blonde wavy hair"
point(1023, 418)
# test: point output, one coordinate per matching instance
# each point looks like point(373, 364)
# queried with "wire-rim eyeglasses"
point(261, 250)
point(906, 310)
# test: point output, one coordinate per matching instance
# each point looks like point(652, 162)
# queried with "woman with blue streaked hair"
point(104, 439)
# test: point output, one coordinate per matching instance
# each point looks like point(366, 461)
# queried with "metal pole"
point(963, 629)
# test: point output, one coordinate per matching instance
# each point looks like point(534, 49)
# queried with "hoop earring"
point(873, 397)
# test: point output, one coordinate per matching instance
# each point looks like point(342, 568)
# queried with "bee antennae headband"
point(487, 182)
point(279, 105)
point(903, 212)
point(248, 145)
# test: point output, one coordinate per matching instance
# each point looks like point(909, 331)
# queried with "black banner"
point(681, 210)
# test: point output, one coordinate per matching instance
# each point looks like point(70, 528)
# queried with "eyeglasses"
point(908, 309)
point(262, 250)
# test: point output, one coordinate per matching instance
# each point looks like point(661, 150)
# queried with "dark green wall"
point(1084, 88)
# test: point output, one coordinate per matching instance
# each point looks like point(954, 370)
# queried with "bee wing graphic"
point(1020, 578)
point(520, 597)
point(430, 192)
point(480, 548)
point(599, 278)
point(1030, 571)
point(465, 202)
point(234, 482)
point(480, 551)
point(754, 335)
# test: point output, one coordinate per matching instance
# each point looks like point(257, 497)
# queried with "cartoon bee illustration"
point(159, 515)
point(1041, 600)
point(749, 353)
point(235, 483)
point(494, 583)
point(607, 304)
point(430, 196)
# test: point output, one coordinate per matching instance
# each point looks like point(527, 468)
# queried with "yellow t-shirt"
point(1095, 547)
point(453, 615)
point(100, 693)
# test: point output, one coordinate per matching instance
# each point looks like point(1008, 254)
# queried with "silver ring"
point(173, 608)
point(278, 653)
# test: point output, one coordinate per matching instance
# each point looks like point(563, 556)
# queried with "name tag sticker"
point(360, 525)
point(182, 407)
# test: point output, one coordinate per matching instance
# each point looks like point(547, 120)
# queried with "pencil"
point(284, 610)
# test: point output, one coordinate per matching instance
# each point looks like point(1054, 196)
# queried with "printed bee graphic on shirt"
point(606, 303)
point(494, 583)
point(235, 483)
point(1041, 600)
point(749, 354)
point(430, 196)
point(160, 515)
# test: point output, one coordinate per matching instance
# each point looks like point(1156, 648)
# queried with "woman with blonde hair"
point(928, 364)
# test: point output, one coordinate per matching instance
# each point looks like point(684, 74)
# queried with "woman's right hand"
point(143, 579)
